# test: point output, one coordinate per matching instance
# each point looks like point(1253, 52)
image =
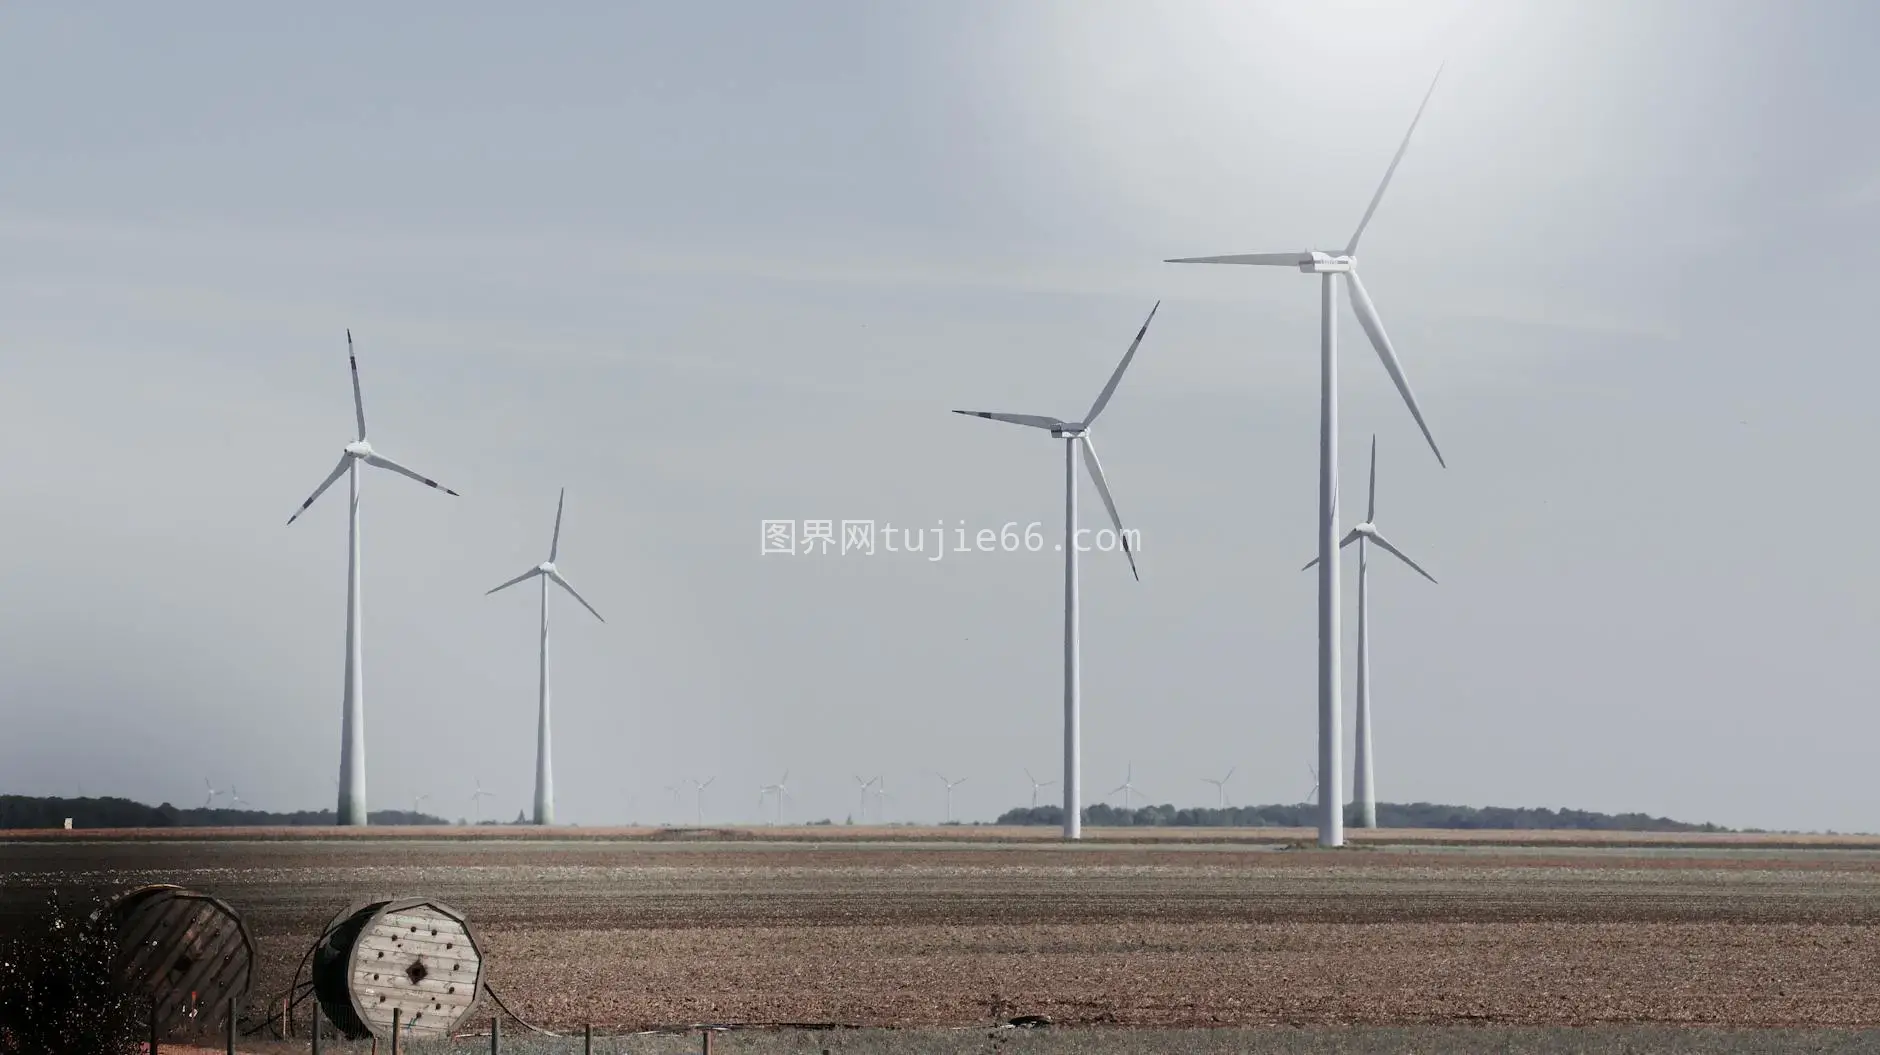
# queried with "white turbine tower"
point(1076, 434)
point(1328, 265)
point(1128, 786)
point(698, 792)
point(1220, 786)
point(544, 758)
point(1365, 787)
point(861, 813)
point(352, 737)
point(951, 784)
point(1037, 786)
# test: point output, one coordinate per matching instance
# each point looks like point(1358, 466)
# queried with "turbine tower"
point(352, 736)
point(1365, 788)
point(1037, 786)
point(1220, 786)
point(862, 810)
point(698, 792)
point(544, 759)
point(1076, 434)
point(1128, 786)
point(951, 784)
point(1328, 265)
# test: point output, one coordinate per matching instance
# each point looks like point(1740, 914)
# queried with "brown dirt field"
point(637, 933)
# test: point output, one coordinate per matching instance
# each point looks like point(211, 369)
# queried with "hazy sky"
point(706, 264)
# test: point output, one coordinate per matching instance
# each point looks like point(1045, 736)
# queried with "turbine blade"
point(338, 471)
point(1352, 247)
point(1370, 510)
point(1350, 537)
point(524, 577)
point(563, 583)
point(359, 401)
point(1036, 421)
point(1268, 259)
point(1109, 503)
point(1374, 329)
point(1385, 545)
point(554, 544)
point(382, 462)
point(1230, 774)
point(1103, 398)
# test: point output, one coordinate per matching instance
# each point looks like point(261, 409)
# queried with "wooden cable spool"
point(416, 955)
point(190, 954)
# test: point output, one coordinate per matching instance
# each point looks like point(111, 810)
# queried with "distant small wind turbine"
point(862, 809)
point(882, 798)
point(781, 789)
point(1328, 265)
point(1365, 787)
point(352, 737)
point(1127, 787)
point(210, 798)
point(1312, 795)
point(1037, 786)
point(235, 800)
point(476, 799)
point(698, 793)
point(417, 803)
point(951, 784)
point(544, 760)
point(1221, 786)
point(1076, 434)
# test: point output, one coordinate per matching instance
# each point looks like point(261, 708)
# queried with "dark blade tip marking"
point(448, 491)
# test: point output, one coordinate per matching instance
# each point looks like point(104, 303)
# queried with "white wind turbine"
point(698, 792)
point(212, 793)
point(1312, 795)
point(1328, 265)
point(882, 798)
point(352, 739)
point(781, 789)
point(862, 809)
point(544, 759)
point(476, 801)
point(951, 784)
point(235, 800)
point(1037, 786)
point(1076, 434)
point(1365, 789)
point(1128, 786)
point(1220, 786)
point(417, 803)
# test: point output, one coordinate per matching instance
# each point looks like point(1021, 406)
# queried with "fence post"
point(707, 1048)
point(398, 1013)
point(153, 1026)
point(587, 1039)
point(228, 1028)
point(315, 1016)
point(496, 1035)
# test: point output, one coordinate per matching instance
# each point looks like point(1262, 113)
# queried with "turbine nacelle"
point(1317, 263)
point(1069, 430)
point(547, 567)
point(358, 449)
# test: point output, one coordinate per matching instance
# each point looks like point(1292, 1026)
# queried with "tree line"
point(1389, 815)
point(27, 811)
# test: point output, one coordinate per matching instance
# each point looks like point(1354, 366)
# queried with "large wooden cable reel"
point(414, 955)
point(187, 953)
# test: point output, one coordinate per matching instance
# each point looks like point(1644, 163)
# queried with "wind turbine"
point(212, 793)
point(417, 804)
point(1366, 788)
point(862, 809)
point(698, 792)
point(1221, 786)
point(1328, 265)
point(544, 760)
point(352, 737)
point(1076, 434)
point(951, 784)
point(1128, 786)
point(235, 800)
point(882, 798)
point(476, 801)
point(1037, 786)
point(1313, 794)
point(782, 789)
